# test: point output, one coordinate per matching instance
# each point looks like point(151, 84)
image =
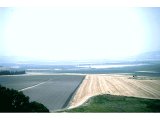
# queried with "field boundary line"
point(73, 94)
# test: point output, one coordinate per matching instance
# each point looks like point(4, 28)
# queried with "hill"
point(113, 103)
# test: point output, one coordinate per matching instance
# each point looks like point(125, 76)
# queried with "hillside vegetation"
point(113, 103)
point(14, 101)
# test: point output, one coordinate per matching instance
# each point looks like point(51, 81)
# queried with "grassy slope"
point(111, 103)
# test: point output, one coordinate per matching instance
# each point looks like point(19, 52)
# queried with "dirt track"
point(115, 85)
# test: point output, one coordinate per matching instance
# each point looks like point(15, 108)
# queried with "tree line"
point(12, 72)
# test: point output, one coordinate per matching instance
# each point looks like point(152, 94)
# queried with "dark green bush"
point(14, 101)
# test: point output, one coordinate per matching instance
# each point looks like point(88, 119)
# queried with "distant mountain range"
point(147, 56)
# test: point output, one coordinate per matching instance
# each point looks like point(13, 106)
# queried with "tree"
point(14, 101)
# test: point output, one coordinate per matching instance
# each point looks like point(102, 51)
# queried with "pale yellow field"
point(116, 85)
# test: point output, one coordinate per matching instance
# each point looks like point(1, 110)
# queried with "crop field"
point(54, 91)
point(123, 85)
point(142, 68)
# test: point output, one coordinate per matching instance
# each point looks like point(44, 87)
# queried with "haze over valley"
point(70, 57)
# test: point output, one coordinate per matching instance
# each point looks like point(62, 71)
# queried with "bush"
point(14, 101)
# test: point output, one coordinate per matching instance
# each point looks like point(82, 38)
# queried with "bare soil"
point(122, 85)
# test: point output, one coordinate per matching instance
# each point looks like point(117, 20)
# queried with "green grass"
point(112, 103)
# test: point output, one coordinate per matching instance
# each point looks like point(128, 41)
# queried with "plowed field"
point(115, 85)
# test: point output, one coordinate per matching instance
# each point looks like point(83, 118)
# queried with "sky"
point(78, 33)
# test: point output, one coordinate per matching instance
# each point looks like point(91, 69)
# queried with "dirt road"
point(116, 85)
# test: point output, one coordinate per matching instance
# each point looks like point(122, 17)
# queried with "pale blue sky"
point(78, 33)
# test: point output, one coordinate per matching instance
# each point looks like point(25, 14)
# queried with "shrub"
point(14, 101)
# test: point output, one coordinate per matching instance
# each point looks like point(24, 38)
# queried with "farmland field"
point(113, 84)
point(142, 68)
point(54, 91)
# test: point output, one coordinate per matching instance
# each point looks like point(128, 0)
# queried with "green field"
point(112, 103)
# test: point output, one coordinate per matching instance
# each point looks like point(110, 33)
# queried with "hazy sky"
point(78, 33)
